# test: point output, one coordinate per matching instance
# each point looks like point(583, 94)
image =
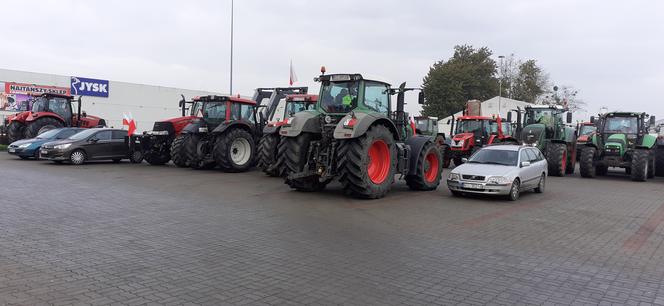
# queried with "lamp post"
point(230, 90)
point(500, 83)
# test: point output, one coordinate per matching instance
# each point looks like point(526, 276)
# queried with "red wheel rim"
point(379, 162)
point(431, 167)
point(564, 161)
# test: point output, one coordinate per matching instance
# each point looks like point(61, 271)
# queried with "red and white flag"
point(293, 76)
point(130, 123)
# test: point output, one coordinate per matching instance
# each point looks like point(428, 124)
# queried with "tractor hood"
point(532, 134)
point(462, 141)
point(172, 126)
point(19, 117)
point(462, 136)
point(616, 144)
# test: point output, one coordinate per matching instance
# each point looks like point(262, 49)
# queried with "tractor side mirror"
point(509, 116)
point(420, 98)
point(569, 117)
point(592, 119)
point(652, 120)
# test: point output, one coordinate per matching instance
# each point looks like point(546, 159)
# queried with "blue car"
point(29, 148)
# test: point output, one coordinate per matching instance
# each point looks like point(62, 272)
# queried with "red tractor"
point(474, 132)
point(155, 146)
point(49, 111)
point(585, 132)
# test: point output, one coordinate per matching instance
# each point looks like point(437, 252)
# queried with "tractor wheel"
point(77, 157)
point(571, 162)
point(652, 164)
point(557, 159)
point(196, 154)
point(15, 131)
point(136, 157)
point(157, 159)
point(234, 150)
point(447, 159)
point(267, 154)
point(179, 153)
point(428, 172)
point(586, 162)
point(659, 161)
point(367, 164)
point(41, 125)
point(640, 165)
point(293, 151)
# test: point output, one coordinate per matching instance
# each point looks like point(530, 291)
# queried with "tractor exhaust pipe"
point(78, 113)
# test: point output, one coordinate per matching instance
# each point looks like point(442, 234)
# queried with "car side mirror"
point(93, 140)
point(569, 117)
point(592, 119)
point(525, 164)
point(464, 160)
point(420, 98)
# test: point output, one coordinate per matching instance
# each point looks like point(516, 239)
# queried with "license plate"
point(472, 186)
point(12, 150)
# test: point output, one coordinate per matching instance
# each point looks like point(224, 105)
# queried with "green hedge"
point(3, 147)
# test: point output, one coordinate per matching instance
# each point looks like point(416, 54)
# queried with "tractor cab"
point(426, 125)
point(289, 106)
point(57, 104)
point(342, 93)
point(546, 119)
point(219, 110)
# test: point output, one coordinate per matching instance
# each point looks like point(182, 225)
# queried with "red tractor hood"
point(20, 117)
point(462, 136)
point(180, 119)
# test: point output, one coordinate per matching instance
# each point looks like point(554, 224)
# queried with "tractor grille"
point(164, 126)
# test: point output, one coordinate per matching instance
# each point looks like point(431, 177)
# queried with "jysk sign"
point(89, 87)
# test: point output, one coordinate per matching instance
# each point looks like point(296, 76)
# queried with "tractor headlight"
point(350, 123)
point(25, 145)
point(498, 180)
point(290, 120)
point(203, 129)
point(62, 146)
point(453, 177)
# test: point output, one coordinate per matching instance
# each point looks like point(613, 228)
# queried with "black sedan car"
point(91, 144)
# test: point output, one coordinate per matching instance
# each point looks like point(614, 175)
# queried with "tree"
point(564, 95)
point(530, 82)
point(468, 74)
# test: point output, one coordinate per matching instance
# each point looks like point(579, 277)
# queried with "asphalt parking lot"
point(104, 233)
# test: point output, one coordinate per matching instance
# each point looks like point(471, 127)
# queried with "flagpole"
point(231, 78)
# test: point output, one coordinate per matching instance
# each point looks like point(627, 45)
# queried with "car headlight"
point(62, 146)
point(498, 180)
point(453, 177)
point(25, 145)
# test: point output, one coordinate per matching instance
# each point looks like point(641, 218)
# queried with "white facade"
point(494, 106)
point(146, 103)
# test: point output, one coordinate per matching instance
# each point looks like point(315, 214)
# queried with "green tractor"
point(353, 135)
point(545, 129)
point(622, 140)
point(428, 126)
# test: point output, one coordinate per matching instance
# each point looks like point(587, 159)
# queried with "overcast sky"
point(609, 50)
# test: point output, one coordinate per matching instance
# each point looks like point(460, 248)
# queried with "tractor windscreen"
point(504, 125)
point(469, 126)
point(544, 116)
point(623, 125)
point(215, 111)
point(586, 130)
point(339, 97)
point(296, 107)
point(422, 124)
point(40, 105)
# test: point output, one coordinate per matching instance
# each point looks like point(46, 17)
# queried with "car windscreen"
point(49, 134)
point(496, 157)
point(82, 135)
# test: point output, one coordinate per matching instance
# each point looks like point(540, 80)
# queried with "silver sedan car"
point(500, 170)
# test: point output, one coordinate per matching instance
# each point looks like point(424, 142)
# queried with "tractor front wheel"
point(179, 153)
point(15, 131)
point(428, 170)
point(41, 125)
point(136, 156)
point(640, 165)
point(267, 154)
point(234, 150)
point(557, 158)
point(367, 164)
point(659, 161)
point(586, 162)
point(292, 153)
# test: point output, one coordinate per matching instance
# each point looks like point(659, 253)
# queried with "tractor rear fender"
point(306, 121)
point(19, 117)
point(271, 129)
point(648, 141)
point(416, 143)
point(192, 128)
point(356, 125)
point(242, 124)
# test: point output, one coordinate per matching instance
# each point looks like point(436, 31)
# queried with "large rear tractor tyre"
point(267, 154)
point(571, 162)
point(179, 150)
point(234, 150)
point(640, 165)
point(659, 161)
point(367, 164)
point(41, 125)
point(292, 153)
point(586, 162)
point(652, 164)
point(428, 170)
point(557, 159)
point(15, 131)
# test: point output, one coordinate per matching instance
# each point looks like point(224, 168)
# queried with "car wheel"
point(541, 185)
point(514, 190)
point(77, 157)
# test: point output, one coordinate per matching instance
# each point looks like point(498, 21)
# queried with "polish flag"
point(293, 76)
point(130, 123)
point(413, 126)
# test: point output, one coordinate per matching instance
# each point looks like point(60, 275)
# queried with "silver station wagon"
point(500, 170)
